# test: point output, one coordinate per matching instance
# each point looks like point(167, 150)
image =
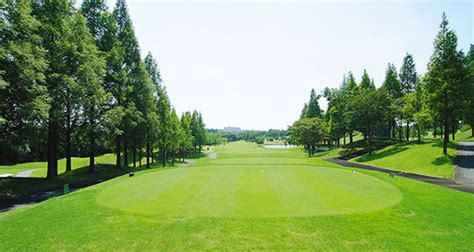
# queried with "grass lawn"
point(40, 168)
point(422, 158)
point(248, 198)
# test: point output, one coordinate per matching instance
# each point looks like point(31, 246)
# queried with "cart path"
point(464, 172)
point(25, 174)
point(449, 183)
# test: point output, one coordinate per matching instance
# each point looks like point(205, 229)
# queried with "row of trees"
point(440, 100)
point(73, 80)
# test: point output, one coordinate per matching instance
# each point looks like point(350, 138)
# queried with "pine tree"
point(408, 84)
point(366, 82)
point(447, 80)
point(129, 58)
point(392, 86)
point(89, 73)
point(313, 109)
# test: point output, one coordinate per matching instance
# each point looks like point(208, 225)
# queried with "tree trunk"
point(68, 137)
point(446, 137)
point(400, 130)
point(393, 129)
point(91, 151)
point(472, 130)
point(454, 133)
point(134, 156)
point(68, 151)
point(350, 137)
point(164, 157)
point(370, 142)
point(344, 138)
point(389, 129)
point(172, 159)
point(408, 130)
point(419, 133)
point(53, 136)
point(152, 160)
point(148, 154)
point(140, 156)
point(125, 152)
point(117, 151)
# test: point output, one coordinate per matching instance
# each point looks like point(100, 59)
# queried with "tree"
point(366, 82)
point(187, 141)
point(313, 109)
point(392, 86)
point(469, 113)
point(85, 92)
point(198, 130)
point(367, 110)
point(447, 80)
point(55, 17)
point(408, 84)
point(24, 102)
point(308, 132)
point(129, 59)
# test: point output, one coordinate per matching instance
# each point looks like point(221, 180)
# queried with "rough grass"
point(428, 217)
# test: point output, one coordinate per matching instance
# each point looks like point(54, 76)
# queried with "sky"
point(252, 64)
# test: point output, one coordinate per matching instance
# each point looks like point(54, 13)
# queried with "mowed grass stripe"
point(217, 197)
point(299, 199)
point(255, 195)
point(162, 193)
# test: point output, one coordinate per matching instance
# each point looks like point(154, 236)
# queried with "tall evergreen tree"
point(366, 82)
point(55, 17)
point(447, 80)
point(408, 84)
point(313, 109)
point(393, 88)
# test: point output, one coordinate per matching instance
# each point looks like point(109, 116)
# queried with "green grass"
point(422, 158)
point(40, 168)
point(248, 198)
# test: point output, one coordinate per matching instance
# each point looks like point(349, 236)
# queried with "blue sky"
point(252, 64)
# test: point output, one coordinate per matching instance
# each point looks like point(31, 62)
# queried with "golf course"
point(240, 125)
point(241, 196)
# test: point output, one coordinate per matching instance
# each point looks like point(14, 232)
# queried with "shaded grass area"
point(40, 168)
point(14, 187)
point(428, 217)
point(17, 187)
point(422, 158)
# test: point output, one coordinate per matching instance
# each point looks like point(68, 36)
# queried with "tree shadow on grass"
point(448, 159)
point(14, 187)
point(383, 153)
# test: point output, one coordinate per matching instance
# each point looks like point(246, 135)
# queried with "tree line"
point(406, 104)
point(73, 82)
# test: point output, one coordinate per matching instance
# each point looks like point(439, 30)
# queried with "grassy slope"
point(423, 158)
point(41, 167)
point(428, 218)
